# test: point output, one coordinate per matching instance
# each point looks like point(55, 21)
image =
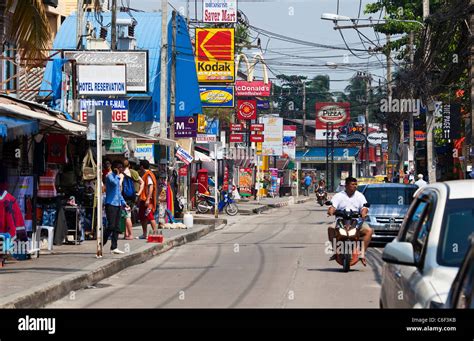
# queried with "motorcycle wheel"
point(231, 209)
point(346, 262)
point(202, 206)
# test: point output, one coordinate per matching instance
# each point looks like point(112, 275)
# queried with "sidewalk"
point(36, 282)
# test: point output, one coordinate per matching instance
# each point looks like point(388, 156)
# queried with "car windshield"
point(389, 195)
point(457, 227)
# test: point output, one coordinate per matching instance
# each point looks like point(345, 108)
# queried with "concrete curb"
point(37, 298)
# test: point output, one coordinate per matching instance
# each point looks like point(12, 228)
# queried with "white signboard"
point(219, 11)
point(273, 144)
point(321, 134)
point(144, 151)
point(376, 138)
point(102, 80)
point(205, 138)
point(184, 156)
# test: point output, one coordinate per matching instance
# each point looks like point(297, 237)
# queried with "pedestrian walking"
point(114, 201)
point(147, 199)
point(307, 183)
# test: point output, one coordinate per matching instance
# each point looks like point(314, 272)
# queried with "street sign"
point(257, 127)
point(246, 109)
point(236, 127)
point(184, 156)
point(236, 138)
point(257, 138)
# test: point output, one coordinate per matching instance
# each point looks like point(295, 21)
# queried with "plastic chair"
point(50, 230)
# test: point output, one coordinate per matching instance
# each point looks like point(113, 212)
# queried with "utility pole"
point(412, 153)
point(164, 69)
point(114, 25)
point(431, 167)
point(79, 28)
point(173, 84)
point(367, 93)
point(304, 113)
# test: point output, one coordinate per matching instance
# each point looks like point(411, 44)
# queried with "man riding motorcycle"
point(321, 193)
point(351, 199)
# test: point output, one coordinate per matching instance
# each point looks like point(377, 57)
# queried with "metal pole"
point(332, 159)
point(216, 209)
point(304, 113)
point(79, 27)
point(114, 25)
point(411, 161)
point(98, 189)
point(164, 69)
point(173, 85)
point(327, 155)
point(367, 161)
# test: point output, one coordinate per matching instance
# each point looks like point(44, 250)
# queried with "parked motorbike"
point(348, 242)
point(321, 196)
point(205, 203)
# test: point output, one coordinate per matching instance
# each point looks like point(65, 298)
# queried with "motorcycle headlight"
point(352, 232)
point(342, 232)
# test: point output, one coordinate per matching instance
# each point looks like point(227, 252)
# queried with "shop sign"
point(217, 96)
point(119, 108)
point(255, 88)
point(236, 138)
point(351, 133)
point(96, 80)
point(246, 109)
point(115, 145)
point(184, 156)
point(145, 151)
point(245, 182)
point(376, 138)
point(185, 126)
point(215, 55)
point(205, 138)
point(135, 61)
point(236, 127)
point(257, 127)
point(333, 114)
point(219, 11)
point(289, 142)
point(261, 104)
point(257, 138)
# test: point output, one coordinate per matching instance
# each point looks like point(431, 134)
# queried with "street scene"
point(238, 154)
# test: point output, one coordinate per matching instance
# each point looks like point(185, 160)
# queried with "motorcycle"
point(205, 203)
point(348, 246)
point(321, 196)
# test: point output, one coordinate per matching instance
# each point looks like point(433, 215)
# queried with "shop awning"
point(319, 154)
point(11, 128)
point(143, 137)
point(43, 119)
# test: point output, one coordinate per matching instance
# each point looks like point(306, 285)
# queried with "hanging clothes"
point(10, 214)
point(57, 145)
point(39, 166)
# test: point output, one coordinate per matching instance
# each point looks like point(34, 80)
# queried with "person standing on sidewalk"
point(307, 184)
point(132, 186)
point(147, 203)
point(113, 203)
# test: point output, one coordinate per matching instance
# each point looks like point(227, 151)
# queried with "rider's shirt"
point(341, 201)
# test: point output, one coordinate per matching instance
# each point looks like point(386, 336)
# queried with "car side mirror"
point(401, 253)
point(328, 203)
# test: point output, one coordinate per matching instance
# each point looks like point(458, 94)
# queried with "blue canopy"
point(11, 128)
point(143, 107)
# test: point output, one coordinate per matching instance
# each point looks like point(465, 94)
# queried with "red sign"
point(420, 135)
point(183, 171)
point(256, 138)
point(256, 88)
point(236, 127)
point(236, 138)
point(246, 109)
point(257, 127)
point(337, 114)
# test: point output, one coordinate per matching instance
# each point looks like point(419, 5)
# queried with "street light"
point(337, 17)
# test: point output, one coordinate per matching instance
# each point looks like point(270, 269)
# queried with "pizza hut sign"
point(246, 109)
point(337, 114)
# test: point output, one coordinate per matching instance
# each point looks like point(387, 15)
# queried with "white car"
point(422, 262)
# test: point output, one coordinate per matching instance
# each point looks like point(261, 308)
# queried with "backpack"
point(128, 188)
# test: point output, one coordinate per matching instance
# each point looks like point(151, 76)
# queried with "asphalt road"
point(276, 259)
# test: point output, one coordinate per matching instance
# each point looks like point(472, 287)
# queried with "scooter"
point(348, 245)
point(205, 203)
point(321, 197)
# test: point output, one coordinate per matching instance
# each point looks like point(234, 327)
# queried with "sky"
point(301, 19)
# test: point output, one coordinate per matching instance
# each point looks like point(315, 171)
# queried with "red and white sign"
point(236, 127)
point(257, 138)
point(118, 116)
point(236, 138)
point(335, 114)
point(183, 171)
point(246, 109)
point(256, 88)
point(219, 11)
point(205, 138)
point(257, 127)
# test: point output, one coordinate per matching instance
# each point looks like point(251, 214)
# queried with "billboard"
point(215, 55)
point(255, 88)
point(337, 114)
point(101, 80)
point(136, 62)
point(217, 96)
point(289, 142)
point(185, 126)
point(219, 11)
point(273, 144)
point(119, 108)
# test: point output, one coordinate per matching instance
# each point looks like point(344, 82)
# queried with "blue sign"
point(261, 104)
point(116, 104)
point(212, 127)
point(185, 126)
